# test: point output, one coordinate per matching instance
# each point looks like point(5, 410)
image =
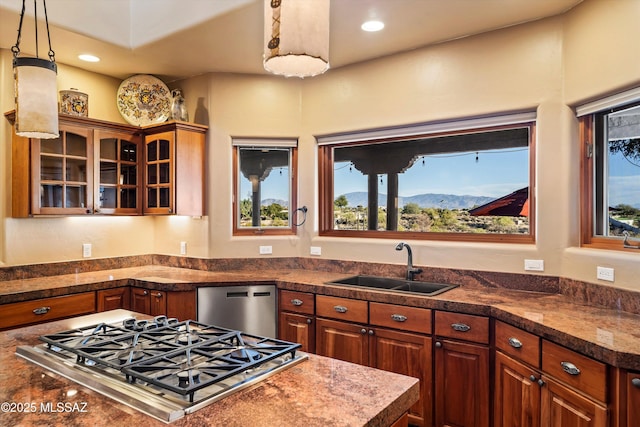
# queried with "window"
point(264, 186)
point(464, 180)
point(610, 141)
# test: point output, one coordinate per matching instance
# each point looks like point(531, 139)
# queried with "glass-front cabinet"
point(62, 169)
point(118, 173)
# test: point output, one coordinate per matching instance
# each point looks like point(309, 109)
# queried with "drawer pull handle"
point(570, 368)
point(41, 310)
point(515, 342)
point(460, 327)
point(635, 382)
point(340, 308)
point(398, 317)
point(297, 302)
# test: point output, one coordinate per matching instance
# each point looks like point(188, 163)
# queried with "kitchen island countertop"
point(316, 392)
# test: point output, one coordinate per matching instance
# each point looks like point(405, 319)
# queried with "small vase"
point(178, 107)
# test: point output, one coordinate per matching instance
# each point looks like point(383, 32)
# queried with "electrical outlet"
point(534, 264)
point(183, 248)
point(315, 250)
point(266, 250)
point(604, 273)
point(86, 250)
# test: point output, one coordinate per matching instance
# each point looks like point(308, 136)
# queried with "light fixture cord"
point(15, 49)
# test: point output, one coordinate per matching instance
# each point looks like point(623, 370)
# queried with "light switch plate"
point(266, 250)
point(86, 250)
point(534, 264)
point(183, 248)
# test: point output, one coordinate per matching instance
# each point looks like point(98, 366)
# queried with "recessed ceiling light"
point(372, 26)
point(89, 58)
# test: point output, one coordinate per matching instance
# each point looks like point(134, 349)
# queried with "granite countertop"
point(610, 336)
point(318, 391)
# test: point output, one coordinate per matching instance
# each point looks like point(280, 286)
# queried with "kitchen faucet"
point(411, 271)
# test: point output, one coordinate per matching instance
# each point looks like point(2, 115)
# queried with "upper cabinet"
point(104, 168)
point(174, 169)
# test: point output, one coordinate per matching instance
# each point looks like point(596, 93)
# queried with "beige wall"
point(546, 66)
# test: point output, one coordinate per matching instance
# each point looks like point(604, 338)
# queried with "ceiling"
point(176, 39)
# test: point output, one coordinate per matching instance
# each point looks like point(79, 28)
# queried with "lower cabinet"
point(631, 385)
point(296, 320)
point(181, 305)
point(461, 375)
point(365, 339)
point(543, 384)
point(46, 309)
point(111, 299)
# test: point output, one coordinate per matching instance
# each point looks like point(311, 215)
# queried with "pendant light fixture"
point(296, 37)
point(36, 93)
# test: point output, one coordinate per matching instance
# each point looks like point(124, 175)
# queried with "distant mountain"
point(267, 202)
point(428, 200)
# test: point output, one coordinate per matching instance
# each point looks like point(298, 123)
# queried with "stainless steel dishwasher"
point(248, 308)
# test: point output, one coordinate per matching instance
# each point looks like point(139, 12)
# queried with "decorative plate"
point(143, 100)
point(74, 103)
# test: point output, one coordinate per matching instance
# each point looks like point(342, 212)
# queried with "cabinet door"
point(117, 174)
point(562, 407)
point(111, 299)
point(461, 384)
point(181, 305)
point(159, 173)
point(632, 385)
point(140, 301)
point(62, 173)
point(298, 328)
point(407, 354)
point(516, 394)
point(158, 303)
point(341, 340)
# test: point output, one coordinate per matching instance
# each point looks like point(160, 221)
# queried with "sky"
point(624, 181)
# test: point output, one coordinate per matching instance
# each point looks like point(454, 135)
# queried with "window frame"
point(428, 130)
point(280, 143)
point(587, 122)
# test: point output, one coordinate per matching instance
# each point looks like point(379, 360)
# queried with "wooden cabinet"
point(543, 384)
point(92, 167)
point(461, 372)
point(111, 299)
point(181, 305)
point(46, 309)
point(630, 415)
point(99, 167)
point(174, 169)
point(296, 320)
point(385, 336)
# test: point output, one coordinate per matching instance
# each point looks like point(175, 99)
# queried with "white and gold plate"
point(143, 100)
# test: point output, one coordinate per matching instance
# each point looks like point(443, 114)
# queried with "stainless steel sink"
point(394, 284)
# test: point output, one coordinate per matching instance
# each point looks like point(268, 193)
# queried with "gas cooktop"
point(163, 367)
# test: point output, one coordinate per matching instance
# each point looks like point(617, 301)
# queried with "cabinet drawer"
point(518, 344)
point(342, 308)
point(297, 302)
point(462, 326)
point(576, 370)
point(400, 317)
point(46, 309)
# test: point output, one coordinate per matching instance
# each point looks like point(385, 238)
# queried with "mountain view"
point(428, 200)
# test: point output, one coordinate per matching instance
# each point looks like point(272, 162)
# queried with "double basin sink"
point(394, 285)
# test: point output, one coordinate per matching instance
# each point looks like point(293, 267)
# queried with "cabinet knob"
point(159, 295)
point(363, 331)
point(145, 293)
point(370, 331)
point(309, 321)
point(438, 344)
point(635, 382)
point(532, 378)
point(296, 302)
point(541, 382)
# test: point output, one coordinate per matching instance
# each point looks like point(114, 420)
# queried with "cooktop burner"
point(186, 363)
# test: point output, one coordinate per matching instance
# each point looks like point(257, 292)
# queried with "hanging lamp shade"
point(35, 84)
point(296, 37)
